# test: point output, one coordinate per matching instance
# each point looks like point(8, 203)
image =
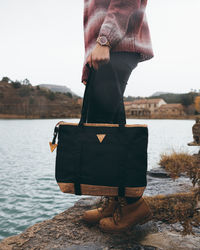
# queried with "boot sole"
point(143, 221)
point(95, 222)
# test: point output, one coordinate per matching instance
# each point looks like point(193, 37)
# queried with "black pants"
point(107, 89)
point(108, 86)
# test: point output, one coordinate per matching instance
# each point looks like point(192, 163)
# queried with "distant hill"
point(58, 88)
point(158, 93)
point(19, 100)
point(185, 99)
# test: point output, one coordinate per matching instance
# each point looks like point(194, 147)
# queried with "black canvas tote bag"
point(100, 159)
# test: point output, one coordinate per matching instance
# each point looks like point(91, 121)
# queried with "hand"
point(99, 56)
point(84, 82)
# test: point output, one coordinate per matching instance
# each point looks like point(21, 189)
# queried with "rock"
point(157, 185)
point(68, 231)
point(172, 240)
point(159, 172)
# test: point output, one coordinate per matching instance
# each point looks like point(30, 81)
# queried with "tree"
point(6, 79)
point(1, 95)
point(69, 94)
point(26, 82)
point(197, 104)
point(31, 100)
point(188, 99)
point(51, 96)
point(24, 91)
point(16, 84)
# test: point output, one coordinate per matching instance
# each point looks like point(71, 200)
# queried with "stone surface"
point(68, 231)
point(159, 185)
point(159, 172)
point(172, 240)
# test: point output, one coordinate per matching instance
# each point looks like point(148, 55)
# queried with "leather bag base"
point(101, 190)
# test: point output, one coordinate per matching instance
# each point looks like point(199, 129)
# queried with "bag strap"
point(86, 99)
point(85, 105)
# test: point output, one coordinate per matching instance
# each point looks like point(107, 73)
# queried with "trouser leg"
point(108, 86)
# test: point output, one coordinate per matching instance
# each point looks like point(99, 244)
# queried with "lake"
point(28, 190)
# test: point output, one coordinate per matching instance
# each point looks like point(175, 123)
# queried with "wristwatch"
point(103, 41)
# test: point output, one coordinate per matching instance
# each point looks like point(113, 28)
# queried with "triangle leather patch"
point(101, 137)
point(52, 146)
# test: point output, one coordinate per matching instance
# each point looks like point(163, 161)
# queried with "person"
point(117, 38)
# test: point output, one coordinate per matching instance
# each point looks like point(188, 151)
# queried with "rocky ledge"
point(68, 231)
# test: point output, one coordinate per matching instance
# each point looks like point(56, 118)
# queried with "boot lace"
point(104, 203)
point(117, 212)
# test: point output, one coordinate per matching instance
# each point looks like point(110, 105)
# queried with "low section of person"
point(117, 38)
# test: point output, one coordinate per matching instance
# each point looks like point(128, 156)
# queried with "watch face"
point(103, 40)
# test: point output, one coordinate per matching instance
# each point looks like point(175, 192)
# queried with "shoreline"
point(67, 230)
point(13, 116)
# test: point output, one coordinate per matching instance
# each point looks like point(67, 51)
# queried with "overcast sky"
point(42, 40)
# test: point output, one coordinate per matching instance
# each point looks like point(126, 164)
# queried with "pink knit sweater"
point(124, 24)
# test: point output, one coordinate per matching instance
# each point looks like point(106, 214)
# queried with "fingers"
point(98, 61)
point(90, 60)
point(95, 63)
point(100, 55)
point(92, 63)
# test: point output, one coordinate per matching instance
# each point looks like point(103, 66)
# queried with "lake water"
point(28, 190)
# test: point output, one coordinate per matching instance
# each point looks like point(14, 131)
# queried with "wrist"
point(102, 47)
point(103, 41)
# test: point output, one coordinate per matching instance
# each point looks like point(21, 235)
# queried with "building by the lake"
point(153, 107)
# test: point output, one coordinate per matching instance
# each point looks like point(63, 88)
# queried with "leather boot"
point(95, 215)
point(126, 216)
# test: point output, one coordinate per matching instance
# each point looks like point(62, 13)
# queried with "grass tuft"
point(178, 163)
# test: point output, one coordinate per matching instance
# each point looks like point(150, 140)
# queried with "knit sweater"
point(123, 22)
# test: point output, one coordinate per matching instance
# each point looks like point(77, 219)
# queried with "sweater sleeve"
point(116, 21)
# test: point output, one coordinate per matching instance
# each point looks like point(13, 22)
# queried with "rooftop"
point(149, 101)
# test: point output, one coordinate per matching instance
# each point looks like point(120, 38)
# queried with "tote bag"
point(100, 159)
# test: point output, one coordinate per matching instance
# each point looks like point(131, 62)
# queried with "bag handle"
point(85, 105)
